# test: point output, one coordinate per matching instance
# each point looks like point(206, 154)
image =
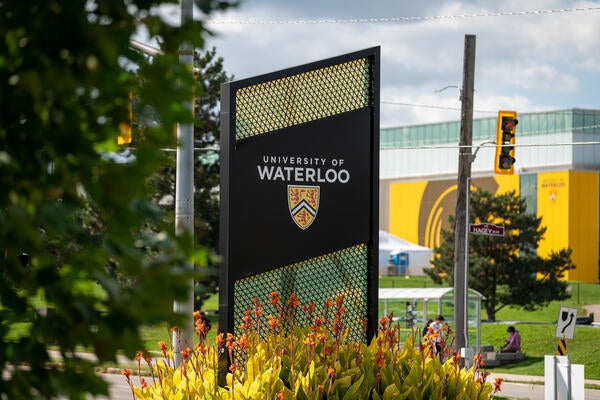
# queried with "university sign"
point(300, 188)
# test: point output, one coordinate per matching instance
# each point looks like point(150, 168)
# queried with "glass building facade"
point(556, 172)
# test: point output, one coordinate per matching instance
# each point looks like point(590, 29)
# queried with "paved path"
point(519, 387)
point(593, 309)
point(529, 387)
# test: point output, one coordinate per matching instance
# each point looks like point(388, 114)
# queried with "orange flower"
point(293, 300)
point(337, 326)
point(318, 322)
point(498, 383)
point(281, 395)
point(332, 372)
point(163, 346)
point(274, 298)
point(143, 383)
point(383, 322)
point(308, 308)
point(197, 314)
point(380, 359)
point(126, 372)
point(243, 342)
point(220, 339)
point(230, 341)
point(185, 353)
point(273, 322)
point(310, 340)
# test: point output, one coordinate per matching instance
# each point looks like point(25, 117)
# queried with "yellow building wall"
point(567, 201)
point(553, 207)
point(405, 201)
point(568, 204)
point(420, 210)
point(583, 225)
point(506, 183)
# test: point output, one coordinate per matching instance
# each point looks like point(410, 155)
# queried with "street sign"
point(487, 229)
point(565, 327)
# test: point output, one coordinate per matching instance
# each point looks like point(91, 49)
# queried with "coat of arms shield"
point(303, 203)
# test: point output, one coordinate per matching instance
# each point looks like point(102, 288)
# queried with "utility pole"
point(461, 242)
point(184, 198)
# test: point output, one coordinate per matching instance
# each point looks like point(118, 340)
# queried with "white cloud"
point(527, 61)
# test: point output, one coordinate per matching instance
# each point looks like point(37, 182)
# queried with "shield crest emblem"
point(303, 203)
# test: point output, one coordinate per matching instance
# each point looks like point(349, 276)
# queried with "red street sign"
point(487, 229)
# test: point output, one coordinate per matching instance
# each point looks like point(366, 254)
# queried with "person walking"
point(426, 328)
point(437, 328)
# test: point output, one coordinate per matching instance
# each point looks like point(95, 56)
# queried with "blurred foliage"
point(209, 76)
point(506, 269)
point(79, 266)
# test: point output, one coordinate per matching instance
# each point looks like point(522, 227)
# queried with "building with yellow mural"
point(556, 171)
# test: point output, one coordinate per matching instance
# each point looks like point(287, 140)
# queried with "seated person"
point(513, 343)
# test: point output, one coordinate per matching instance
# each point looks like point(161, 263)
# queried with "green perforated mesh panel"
point(304, 97)
point(342, 273)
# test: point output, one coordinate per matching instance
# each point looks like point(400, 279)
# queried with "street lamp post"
point(184, 198)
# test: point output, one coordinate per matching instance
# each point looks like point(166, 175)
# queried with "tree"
point(69, 215)
point(507, 270)
point(209, 77)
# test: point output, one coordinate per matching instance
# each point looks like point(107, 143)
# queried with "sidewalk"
point(515, 386)
point(532, 387)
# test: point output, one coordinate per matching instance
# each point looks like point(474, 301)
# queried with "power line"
point(395, 103)
point(396, 19)
point(456, 146)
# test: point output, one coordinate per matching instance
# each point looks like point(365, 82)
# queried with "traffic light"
point(126, 127)
point(506, 128)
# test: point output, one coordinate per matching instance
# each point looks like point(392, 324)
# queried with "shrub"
point(272, 361)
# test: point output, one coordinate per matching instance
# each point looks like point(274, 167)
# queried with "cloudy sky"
point(525, 60)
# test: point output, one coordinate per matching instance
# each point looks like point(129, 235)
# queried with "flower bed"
point(276, 359)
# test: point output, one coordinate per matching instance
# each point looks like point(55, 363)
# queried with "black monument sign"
point(299, 188)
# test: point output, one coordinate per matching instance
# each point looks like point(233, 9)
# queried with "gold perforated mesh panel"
point(342, 273)
point(304, 97)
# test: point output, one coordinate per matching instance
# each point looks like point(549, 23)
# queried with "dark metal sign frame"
point(300, 187)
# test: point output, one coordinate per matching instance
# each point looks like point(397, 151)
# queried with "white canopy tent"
point(425, 295)
point(419, 257)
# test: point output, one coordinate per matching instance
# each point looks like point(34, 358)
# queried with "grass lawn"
point(537, 328)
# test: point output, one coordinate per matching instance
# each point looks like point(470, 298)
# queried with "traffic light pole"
point(461, 243)
point(184, 199)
